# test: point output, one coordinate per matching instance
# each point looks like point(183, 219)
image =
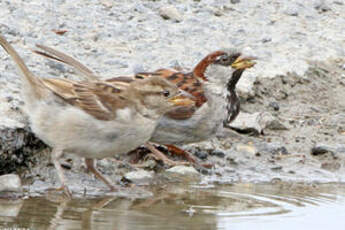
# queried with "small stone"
point(291, 10)
point(183, 170)
point(218, 13)
point(141, 177)
point(321, 149)
point(107, 3)
point(266, 39)
point(268, 121)
point(217, 153)
point(247, 123)
point(272, 148)
point(171, 13)
point(246, 148)
point(183, 173)
point(274, 105)
point(58, 66)
point(338, 2)
point(235, 1)
point(201, 155)
point(10, 183)
point(277, 168)
point(321, 6)
point(331, 166)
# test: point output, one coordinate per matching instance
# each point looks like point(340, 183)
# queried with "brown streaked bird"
point(213, 84)
point(94, 119)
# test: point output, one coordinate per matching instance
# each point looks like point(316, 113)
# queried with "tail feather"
point(30, 78)
point(68, 60)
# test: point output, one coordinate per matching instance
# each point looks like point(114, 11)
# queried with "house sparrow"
point(94, 119)
point(212, 82)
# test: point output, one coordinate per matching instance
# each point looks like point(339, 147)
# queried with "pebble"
point(246, 148)
point(274, 105)
point(171, 13)
point(184, 170)
point(291, 10)
point(321, 6)
point(201, 155)
point(10, 183)
point(140, 177)
point(247, 123)
point(217, 153)
point(273, 148)
point(268, 121)
point(235, 1)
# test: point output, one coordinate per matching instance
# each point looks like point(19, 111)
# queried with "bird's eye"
point(166, 93)
point(224, 59)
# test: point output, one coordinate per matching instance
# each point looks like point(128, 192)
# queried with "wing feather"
point(99, 99)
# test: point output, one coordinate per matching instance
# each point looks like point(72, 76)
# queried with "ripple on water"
point(238, 206)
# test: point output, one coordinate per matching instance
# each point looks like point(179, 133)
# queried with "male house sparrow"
point(212, 82)
point(94, 119)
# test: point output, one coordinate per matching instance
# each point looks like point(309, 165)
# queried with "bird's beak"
point(183, 98)
point(244, 62)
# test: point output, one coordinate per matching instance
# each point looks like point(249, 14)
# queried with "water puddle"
point(239, 206)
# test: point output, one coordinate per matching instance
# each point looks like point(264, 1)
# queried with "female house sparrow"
point(94, 119)
point(212, 83)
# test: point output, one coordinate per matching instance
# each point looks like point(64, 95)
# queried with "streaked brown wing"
point(99, 99)
point(185, 81)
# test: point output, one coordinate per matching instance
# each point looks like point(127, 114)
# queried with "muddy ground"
point(292, 122)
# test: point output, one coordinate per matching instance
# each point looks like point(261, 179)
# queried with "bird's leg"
point(162, 157)
point(177, 151)
point(56, 154)
point(90, 164)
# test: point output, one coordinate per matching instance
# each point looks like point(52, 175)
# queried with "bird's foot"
point(193, 161)
point(166, 160)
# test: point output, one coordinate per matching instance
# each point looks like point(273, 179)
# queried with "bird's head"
point(159, 96)
point(221, 66)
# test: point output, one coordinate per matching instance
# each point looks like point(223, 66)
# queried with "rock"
point(171, 13)
point(10, 183)
point(274, 105)
point(255, 123)
point(321, 149)
point(246, 149)
point(247, 123)
point(141, 177)
point(56, 66)
point(235, 1)
point(245, 87)
point(291, 10)
point(201, 155)
point(183, 170)
point(331, 166)
point(183, 173)
point(217, 153)
point(267, 121)
point(18, 146)
point(338, 2)
point(322, 6)
point(274, 148)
